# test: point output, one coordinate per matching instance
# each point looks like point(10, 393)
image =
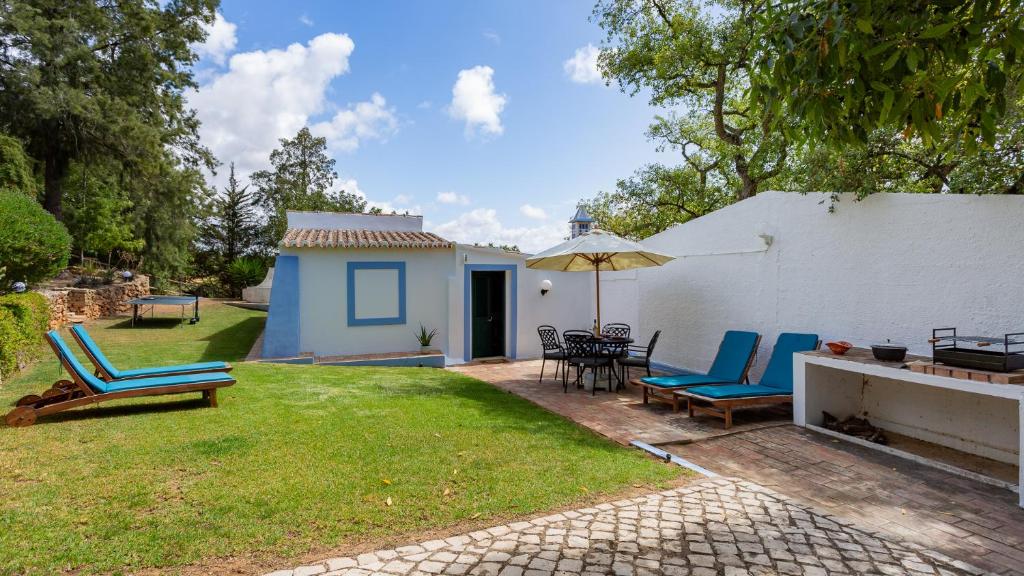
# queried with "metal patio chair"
point(552, 349)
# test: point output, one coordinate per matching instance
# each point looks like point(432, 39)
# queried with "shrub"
point(24, 319)
point(34, 246)
point(15, 168)
point(244, 272)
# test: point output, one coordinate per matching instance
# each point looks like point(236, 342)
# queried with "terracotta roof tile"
point(321, 238)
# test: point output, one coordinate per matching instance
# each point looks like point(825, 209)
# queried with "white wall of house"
point(323, 291)
point(892, 266)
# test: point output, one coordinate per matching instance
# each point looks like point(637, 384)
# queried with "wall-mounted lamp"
point(465, 258)
point(545, 286)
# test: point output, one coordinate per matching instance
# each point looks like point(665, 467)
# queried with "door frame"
point(511, 311)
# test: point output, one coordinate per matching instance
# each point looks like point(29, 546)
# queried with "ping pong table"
point(141, 305)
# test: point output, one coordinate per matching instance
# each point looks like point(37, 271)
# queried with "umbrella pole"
point(597, 283)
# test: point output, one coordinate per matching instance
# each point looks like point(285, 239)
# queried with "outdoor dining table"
point(612, 341)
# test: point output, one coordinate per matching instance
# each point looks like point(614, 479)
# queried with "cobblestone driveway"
point(715, 526)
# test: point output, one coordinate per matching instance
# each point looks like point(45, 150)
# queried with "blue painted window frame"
point(351, 293)
point(467, 303)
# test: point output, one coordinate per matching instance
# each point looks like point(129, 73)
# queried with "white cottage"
point(355, 284)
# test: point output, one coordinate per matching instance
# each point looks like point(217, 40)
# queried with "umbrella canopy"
point(595, 251)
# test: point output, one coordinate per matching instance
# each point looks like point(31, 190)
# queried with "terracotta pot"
point(839, 348)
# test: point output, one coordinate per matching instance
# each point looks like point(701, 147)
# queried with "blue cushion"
point(733, 356)
point(62, 347)
point(116, 374)
point(735, 391)
point(93, 349)
point(779, 373)
point(680, 380)
point(102, 387)
point(168, 370)
point(179, 380)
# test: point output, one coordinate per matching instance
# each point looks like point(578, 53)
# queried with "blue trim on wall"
point(351, 293)
point(467, 303)
point(281, 334)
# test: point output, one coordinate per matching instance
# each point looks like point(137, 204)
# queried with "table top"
point(168, 300)
point(612, 339)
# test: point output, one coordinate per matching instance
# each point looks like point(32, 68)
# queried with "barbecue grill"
point(1004, 354)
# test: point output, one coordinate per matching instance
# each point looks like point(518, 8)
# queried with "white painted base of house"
point(916, 458)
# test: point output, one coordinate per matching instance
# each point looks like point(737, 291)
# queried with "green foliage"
point(33, 245)
point(243, 272)
point(850, 68)
point(84, 80)
point(231, 229)
point(98, 211)
point(424, 336)
point(301, 179)
point(684, 55)
point(23, 320)
point(657, 197)
point(15, 168)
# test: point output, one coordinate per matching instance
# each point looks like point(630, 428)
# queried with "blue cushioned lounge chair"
point(776, 386)
point(733, 361)
point(107, 371)
point(84, 388)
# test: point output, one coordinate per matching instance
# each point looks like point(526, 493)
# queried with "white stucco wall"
point(324, 328)
point(892, 266)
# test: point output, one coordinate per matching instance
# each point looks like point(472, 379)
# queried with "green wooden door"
point(488, 314)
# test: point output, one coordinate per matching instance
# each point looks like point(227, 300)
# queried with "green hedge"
point(24, 319)
point(34, 246)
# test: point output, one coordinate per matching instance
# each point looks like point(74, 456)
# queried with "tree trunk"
point(749, 185)
point(54, 169)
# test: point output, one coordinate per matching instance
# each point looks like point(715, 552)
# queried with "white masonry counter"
point(978, 418)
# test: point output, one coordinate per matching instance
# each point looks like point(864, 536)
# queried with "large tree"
point(934, 70)
point(686, 56)
point(88, 79)
point(232, 229)
point(301, 178)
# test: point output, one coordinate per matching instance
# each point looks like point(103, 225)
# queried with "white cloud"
point(399, 204)
point(220, 40)
point(492, 36)
point(305, 19)
point(403, 199)
point(452, 198)
point(482, 226)
point(266, 95)
point(361, 121)
point(582, 67)
point(533, 212)
point(424, 105)
point(475, 101)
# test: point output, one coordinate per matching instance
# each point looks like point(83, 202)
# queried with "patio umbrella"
point(596, 251)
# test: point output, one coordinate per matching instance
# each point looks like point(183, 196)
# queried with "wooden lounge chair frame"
point(671, 395)
point(103, 373)
point(722, 407)
point(68, 394)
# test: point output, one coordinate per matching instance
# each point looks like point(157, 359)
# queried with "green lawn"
point(296, 459)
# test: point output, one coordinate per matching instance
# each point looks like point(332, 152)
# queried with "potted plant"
point(424, 336)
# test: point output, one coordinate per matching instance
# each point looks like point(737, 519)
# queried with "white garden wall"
point(892, 266)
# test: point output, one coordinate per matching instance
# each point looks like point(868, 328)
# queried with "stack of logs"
point(76, 304)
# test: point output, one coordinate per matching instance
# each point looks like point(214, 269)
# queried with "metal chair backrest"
point(548, 337)
point(654, 341)
point(578, 343)
point(617, 330)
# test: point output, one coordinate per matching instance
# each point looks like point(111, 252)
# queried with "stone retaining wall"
point(71, 304)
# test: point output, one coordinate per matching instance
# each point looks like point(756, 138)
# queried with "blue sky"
point(464, 112)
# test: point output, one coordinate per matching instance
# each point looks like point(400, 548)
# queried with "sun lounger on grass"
point(733, 361)
point(776, 386)
point(107, 371)
point(83, 388)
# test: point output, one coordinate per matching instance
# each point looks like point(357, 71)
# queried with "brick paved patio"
point(620, 416)
point(716, 526)
point(957, 516)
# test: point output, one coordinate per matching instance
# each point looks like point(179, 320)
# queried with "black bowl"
point(889, 353)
